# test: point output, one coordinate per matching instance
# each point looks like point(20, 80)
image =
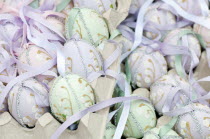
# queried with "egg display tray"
point(91, 126)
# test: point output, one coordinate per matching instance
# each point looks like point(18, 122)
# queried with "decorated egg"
point(183, 37)
point(192, 6)
point(82, 58)
point(154, 134)
point(87, 24)
point(165, 86)
point(99, 5)
point(126, 43)
point(141, 118)
point(70, 94)
point(57, 22)
point(194, 124)
point(136, 5)
point(203, 31)
point(28, 101)
point(158, 17)
point(110, 131)
point(4, 106)
point(146, 67)
point(35, 56)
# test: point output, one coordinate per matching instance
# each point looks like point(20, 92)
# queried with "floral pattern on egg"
point(158, 16)
point(175, 38)
point(141, 118)
point(70, 94)
point(35, 56)
point(145, 67)
point(165, 85)
point(24, 103)
point(194, 124)
point(82, 58)
point(78, 22)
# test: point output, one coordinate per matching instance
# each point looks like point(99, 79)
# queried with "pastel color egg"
point(158, 16)
point(163, 87)
point(110, 131)
point(28, 101)
point(195, 124)
point(191, 42)
point(35, 56)
point(141, 118)
point(82, 58)
point(70, 94)
point(146, 67)
point(87, 24)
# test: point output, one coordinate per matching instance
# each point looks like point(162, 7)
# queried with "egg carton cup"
point(91, 126)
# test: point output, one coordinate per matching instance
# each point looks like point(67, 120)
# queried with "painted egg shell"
point(110, 130)
point(82, 58)
point(154, 134)
point(203, 31)
point(88, 24)
point(191, 6)
point(190, 40)
point(136, 5)
point(160, 90)
point(28, 101)
point(126, 44)
point(11, 26)
point(36, 57)
point(57, 22)
point(195, 124)
point(140, 119)
point(146, 67)
point(69, 95)
point(99, 5)
point(4, 106)
point(9, 72)
point(160, 17)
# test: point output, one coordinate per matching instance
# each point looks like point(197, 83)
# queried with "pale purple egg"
point(195, 124)
point(28, 101)
point(178, 37)
point(146, 67)
point(160, 17)
point(36, 57)
point(82, 58)
point(163, 87)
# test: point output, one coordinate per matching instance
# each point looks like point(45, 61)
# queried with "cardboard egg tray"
point(92, 126)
